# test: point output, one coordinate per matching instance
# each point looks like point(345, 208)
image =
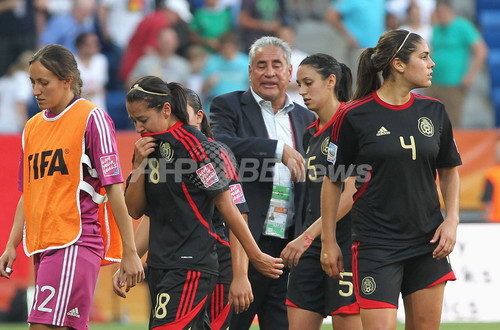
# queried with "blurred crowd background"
point(204, 43)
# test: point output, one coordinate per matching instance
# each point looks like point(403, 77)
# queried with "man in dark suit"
point(264, 130)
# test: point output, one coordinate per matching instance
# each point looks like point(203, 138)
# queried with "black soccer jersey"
point(183, 175)
point(316, 144)
point(397, 150)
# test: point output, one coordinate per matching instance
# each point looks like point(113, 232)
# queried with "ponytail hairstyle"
point(392, 44)
point(61, 62)
point(155, 93)
point(327, 65)
point(193, 100)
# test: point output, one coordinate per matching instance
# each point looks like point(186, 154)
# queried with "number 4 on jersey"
point(409, 146)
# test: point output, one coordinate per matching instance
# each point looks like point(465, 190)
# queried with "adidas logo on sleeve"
point(383, 131)
point(74, 312)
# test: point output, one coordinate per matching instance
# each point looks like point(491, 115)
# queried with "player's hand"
point(6, 261)
point(240, 294)
point(332, 261)
point(118, 285)
point(131, 270)
point(294, 250)
point(295, 163)
point(142, 149)
point(446, 234)
point(268, 266)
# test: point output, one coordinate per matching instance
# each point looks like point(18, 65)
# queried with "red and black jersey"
point(316, 142)
point(397, 151)
point(183, 175)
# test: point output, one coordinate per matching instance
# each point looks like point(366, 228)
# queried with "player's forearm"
point(123, 221)
point(135, 195)
point(16, 233)
point(450, 189)
point(330, 197)
point(238, 256)
point(236, 223)
point(142, 237)
point(346, 199)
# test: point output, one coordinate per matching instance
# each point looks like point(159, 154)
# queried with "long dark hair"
point(327, 65)
point(392, 44)
point(194, 102)
point(61, 62)
point(155, 92)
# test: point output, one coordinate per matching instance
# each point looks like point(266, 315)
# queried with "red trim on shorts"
point(448, 277)
point(188, 294)
point(291, 304)
point(221, 318)
point(363, 302)
point(183, 295)
point(200, 217)
point(195, 289)
point(181, 324)
point(349, 309)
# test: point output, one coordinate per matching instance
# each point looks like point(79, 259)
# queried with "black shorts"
point(310, 288)
point(382, 272)
point(178, 297)
point(218, 309)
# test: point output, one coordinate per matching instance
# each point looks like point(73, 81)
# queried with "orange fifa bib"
point(53, 171)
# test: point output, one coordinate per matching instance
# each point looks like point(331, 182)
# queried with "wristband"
point(308, 239)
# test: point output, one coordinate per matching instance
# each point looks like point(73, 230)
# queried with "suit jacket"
point(237, 121)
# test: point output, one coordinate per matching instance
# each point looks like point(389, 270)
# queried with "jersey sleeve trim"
point(104, 131)
point(343, 112)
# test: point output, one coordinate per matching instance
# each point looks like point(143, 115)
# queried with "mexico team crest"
point(368, 285)
point(166, 151)
point(425, 126)
point(324, 146)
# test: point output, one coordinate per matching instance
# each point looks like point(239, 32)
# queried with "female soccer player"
point(401, 242)
point(324, 84)
point(69, 152)
point(177, 177)
point(233, 288)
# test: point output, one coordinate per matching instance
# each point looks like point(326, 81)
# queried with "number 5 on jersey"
point(409, 146)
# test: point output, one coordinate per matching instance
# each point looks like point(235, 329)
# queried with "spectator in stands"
point(287, 34)
point(414, 23)
point(459, 52)
point(259, 18)
point(209, 23)
point(17, 30)
point(164, 62)
point(399, 10)
point(197, 57)
point(113, 13)
point(226, 71)
point(171, 13)
point(360, 22)
point(93, 67)
point(15, 95)
point(64, 28)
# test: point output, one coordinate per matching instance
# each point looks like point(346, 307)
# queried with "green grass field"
point(117, 326)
